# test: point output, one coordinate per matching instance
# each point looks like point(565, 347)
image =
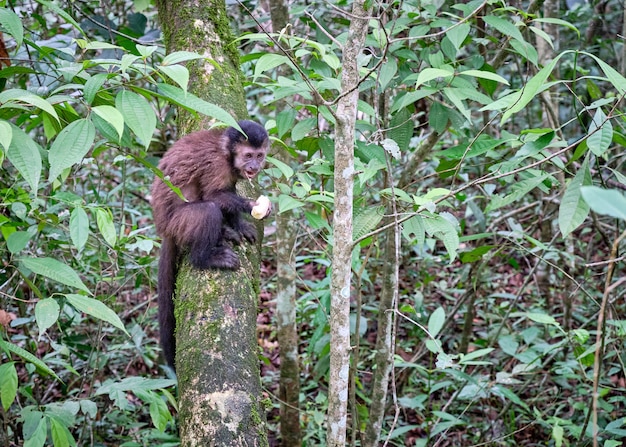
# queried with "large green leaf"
point(112, 116)
point(177, 73)
point(177, 57)
point(8, 384)
point(10, 347)
point(609, 202)
point(19, 97)
point(55, 270)
point(70, 146)
point(365, 220)
point(46, 313)
point(79, 227)
point(268, 62)
point(138, 115)
point(600, 133)
point(96, 309)
point(12, 24)
point(24, 154)
point(193, 103)
point(573, 209)
point(533, 87)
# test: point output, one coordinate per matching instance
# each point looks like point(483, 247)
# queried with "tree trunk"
point(342, 230)
point(287, 330)
point(217, 352)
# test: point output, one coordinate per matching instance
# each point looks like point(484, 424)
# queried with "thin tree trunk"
point(287, 334)
point(383, 360)
point(217, 352)
point(342, 230)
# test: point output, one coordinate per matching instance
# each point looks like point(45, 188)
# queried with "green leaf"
point(428, 74)
point(387, 71)
point(18, 96)
point(70, 146)
point(23, 153)
point(268, 62)
point(401, 128)
point(8, 384)
point(38, 437)
point(413, 230)
point(93, 86)
point(436, 321)
point(181, 56)
point(485, 75)
point(62, 13)
point(284, 168)
point(104, 220)
point(519, 191)
point(600, 133)
point(134, 384)
point(195, 104)
point(6, 134)
point(504, 26)
point(573, 209)
point(79, 227)
point(457, 34)
point(444, 230)
point(96, 309)
point(46, 313)
point(18, 240)
point(302, 128)
point(55, 270)
point(10, 347)
point(614, 77)
point(112, 116)
point(177, 73)
point(469, 357)
point(284, 121)
point(138, 115)
point(12, 24)
point(365, 220)
point(609, 202)
point(557, 22)
point(542, 318)
point(534, 86)
point(286, 203)
point(61, 436)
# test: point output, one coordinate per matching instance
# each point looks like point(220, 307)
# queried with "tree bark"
point(342, 230)
point(217, 353)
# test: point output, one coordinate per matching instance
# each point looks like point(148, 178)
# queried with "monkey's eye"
point(248, 156)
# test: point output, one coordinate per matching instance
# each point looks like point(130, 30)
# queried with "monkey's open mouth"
point(250, 174)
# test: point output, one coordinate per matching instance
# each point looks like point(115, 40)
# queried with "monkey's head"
point(248, 151)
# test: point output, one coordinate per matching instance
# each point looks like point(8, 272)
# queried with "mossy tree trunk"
point(217, 352)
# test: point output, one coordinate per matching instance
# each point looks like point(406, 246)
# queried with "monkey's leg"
point(198, 225)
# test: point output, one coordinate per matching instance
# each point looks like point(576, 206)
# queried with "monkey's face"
point(249, 160)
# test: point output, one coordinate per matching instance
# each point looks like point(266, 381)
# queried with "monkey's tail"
point(168, 267)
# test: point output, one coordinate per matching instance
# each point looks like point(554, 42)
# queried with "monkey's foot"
point(249, 231)
point(231, 235)
point(221, 257)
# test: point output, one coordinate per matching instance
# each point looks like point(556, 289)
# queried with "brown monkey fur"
point(205, 165)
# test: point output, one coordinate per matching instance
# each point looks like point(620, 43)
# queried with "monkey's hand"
point(261, 208)
point(249, 231)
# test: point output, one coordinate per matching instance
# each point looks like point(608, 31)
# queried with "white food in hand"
point(262, 207)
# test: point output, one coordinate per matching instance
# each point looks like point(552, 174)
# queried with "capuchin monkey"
point(205, 165)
